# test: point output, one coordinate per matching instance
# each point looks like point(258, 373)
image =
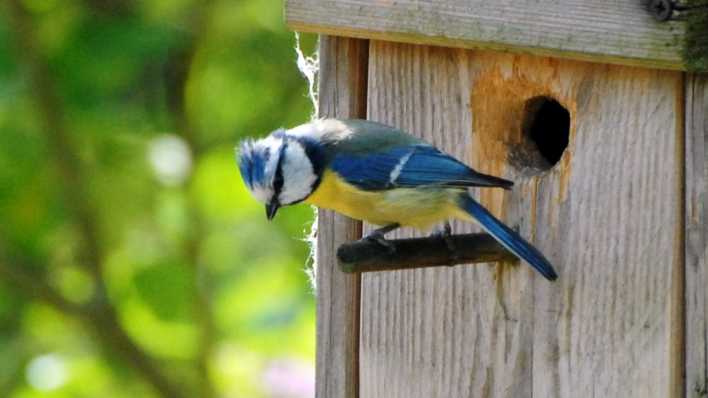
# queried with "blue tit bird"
point(376, 173)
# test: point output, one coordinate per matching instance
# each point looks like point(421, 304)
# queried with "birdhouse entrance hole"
point(546, 128)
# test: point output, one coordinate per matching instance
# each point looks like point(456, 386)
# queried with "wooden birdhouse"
point(587, 106)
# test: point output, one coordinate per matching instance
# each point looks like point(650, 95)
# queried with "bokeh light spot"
point(291, 378)
point(46, 372)
point(170, 159)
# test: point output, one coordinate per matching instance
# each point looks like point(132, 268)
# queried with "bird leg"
point(446, 234)
point(377, 236)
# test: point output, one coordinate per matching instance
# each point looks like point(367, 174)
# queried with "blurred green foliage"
point(133, 262)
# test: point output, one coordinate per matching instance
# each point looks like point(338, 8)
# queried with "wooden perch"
point(366, 256)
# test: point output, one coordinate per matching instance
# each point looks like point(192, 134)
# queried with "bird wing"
point(408, 166)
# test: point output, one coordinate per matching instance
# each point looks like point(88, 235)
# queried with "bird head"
point(278, 170)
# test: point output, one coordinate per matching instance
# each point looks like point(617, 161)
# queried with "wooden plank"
point(606, 31)
point(677, 301)
point(417, 325)
point(696, 232)
point(342, 93)
point(605, 216)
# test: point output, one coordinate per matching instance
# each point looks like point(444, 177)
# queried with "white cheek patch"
point(298, 174)
point(318, 128)
point(262, 194)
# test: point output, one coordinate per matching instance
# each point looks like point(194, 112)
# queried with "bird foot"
point(379, 238)
point(441, 232)
point(445, 233)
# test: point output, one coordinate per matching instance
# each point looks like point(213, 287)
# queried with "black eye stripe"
point(278, 178)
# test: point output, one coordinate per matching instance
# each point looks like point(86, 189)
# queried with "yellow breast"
point(419, 208)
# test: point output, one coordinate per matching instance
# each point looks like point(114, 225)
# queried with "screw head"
point(661, 9)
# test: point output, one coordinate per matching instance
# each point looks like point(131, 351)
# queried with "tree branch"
point(61, 150)
point(102, 319)
point(34, 285)
point(101, 315)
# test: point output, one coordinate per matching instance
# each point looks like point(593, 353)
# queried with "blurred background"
point(133, 262)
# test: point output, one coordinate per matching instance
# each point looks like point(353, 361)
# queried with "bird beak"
point(271, 209)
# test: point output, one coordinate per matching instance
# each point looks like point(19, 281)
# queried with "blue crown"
point(252, 159)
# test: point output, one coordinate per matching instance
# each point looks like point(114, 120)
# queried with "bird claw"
point(379, 238)
point(445, 233)
point(446, 230)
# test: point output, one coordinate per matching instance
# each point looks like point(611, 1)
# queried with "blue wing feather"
point(418, 165)
point(368, 171)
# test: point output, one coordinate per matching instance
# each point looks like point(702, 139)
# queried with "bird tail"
point(508, 238)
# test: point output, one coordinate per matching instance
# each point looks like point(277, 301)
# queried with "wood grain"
point(605, 216)
point(342, 93)
point(606, 31)
point(696, 232)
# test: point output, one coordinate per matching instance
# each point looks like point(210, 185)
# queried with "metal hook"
point(665, 10)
